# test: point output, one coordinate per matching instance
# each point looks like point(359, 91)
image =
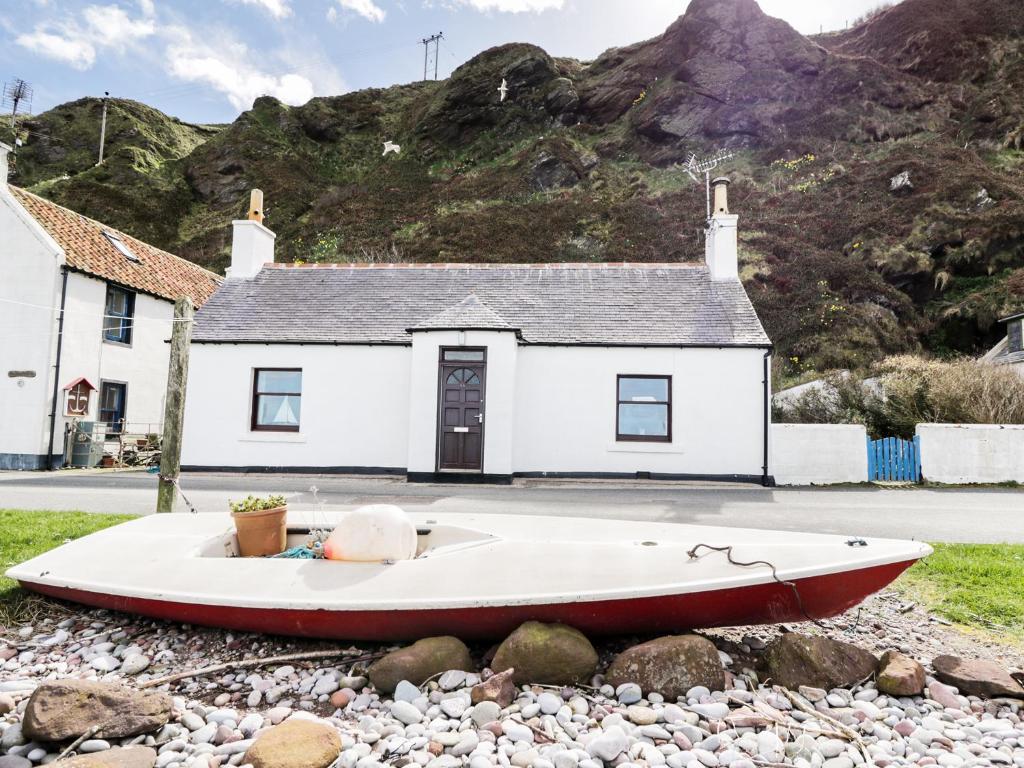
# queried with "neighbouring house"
point(1009, 351)
point(481, 371)
point(87, 312)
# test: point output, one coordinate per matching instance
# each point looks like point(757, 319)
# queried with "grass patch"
point(976, 585)
point(27, 534)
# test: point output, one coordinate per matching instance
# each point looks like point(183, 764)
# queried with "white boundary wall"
point(819, 454)
point(972, 453)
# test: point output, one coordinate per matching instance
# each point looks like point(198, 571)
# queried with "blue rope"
point(297, 553)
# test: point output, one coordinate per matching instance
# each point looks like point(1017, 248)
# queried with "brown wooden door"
point(460, 440)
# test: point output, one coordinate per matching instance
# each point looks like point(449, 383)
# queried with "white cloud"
point(515, 6)
point(227, 70)
point(365, 8)
point(78, 53)
point(77, 41)
point(279, 9)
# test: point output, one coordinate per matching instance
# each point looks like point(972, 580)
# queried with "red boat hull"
point(822, 596)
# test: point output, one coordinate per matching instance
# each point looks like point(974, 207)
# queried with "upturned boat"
point(473, 576)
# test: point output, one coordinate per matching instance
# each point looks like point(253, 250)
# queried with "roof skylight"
point(118, 243)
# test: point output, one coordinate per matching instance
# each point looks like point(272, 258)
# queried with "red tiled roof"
point(87, 250)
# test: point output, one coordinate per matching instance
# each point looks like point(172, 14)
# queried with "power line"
point(426, 42)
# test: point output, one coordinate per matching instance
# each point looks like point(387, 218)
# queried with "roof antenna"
point(16, 93)
point(706, 166)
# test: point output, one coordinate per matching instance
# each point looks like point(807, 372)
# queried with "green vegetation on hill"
point(581, 163)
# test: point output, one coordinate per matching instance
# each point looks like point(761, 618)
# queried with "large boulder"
point(118, 757)
point(419, 662)
point(900, 675)
point(670, 666)
point(295, 744)
point(794, 660)
point(554, 654)
point(66, 709)
point(977, 677)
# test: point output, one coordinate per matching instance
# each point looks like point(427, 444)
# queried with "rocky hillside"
point(877, 172)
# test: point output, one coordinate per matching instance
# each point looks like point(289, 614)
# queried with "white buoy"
point(372, 533)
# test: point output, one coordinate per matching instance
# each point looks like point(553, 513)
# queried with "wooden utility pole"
point(103, 127)
point(174, 405)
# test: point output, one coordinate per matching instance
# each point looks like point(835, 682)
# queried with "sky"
point(205, 61)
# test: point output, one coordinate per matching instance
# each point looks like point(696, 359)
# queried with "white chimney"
point(720, 246)
point(252, 244)
point(5, 150)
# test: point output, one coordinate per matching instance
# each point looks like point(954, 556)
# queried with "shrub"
point(907, 391)
point(256, 503)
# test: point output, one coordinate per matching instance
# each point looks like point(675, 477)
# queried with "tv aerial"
point(695, 166)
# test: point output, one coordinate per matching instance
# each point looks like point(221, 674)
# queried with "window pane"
point(643, 390)
point(469, 355)
point(278, 411)
point(279, 381)
point(643, 419)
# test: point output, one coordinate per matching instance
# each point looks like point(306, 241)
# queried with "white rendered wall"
point(566, 405)
point(499, 397)
point(354, 408)
point(819, 454)
point(972, 453)
point(30, 275)
point(142, 365)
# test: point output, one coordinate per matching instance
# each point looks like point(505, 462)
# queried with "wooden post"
point(174, 405)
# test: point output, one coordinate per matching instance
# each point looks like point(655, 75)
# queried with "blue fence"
point(894, 459)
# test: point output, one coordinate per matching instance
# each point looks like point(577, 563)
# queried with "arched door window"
point(464, 376)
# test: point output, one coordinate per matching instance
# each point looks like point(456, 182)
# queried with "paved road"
point(970, 515)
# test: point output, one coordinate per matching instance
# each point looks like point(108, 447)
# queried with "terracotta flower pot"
point(262, 532)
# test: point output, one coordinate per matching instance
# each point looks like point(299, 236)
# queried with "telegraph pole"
point(426, 42)
point(174, 405)
point(103, 127)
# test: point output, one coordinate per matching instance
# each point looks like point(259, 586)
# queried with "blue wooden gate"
point(894, 459)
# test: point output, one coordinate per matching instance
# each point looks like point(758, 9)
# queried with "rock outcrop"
point(794, 660)
point(66, 709)
point(295, 744)
point(554, 654)
point(900, 675)
point(670, 666)
point(977, 677)
point(420, 661)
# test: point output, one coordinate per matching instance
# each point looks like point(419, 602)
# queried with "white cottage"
point(87, 312)
point(481, 372)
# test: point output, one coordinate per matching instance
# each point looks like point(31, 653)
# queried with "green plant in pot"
point(261, 524)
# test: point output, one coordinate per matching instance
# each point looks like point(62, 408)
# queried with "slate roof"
point(468, 314)
point(1000, 354)
point(627, 304)
point(88, 250)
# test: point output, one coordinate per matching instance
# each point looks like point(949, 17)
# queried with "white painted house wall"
point(972, 453)
point(819, 454)
point(354, 407)
point(546, 409)
point(30, 297)
point(142, 365)
point(29, 263)
point(566, 405)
